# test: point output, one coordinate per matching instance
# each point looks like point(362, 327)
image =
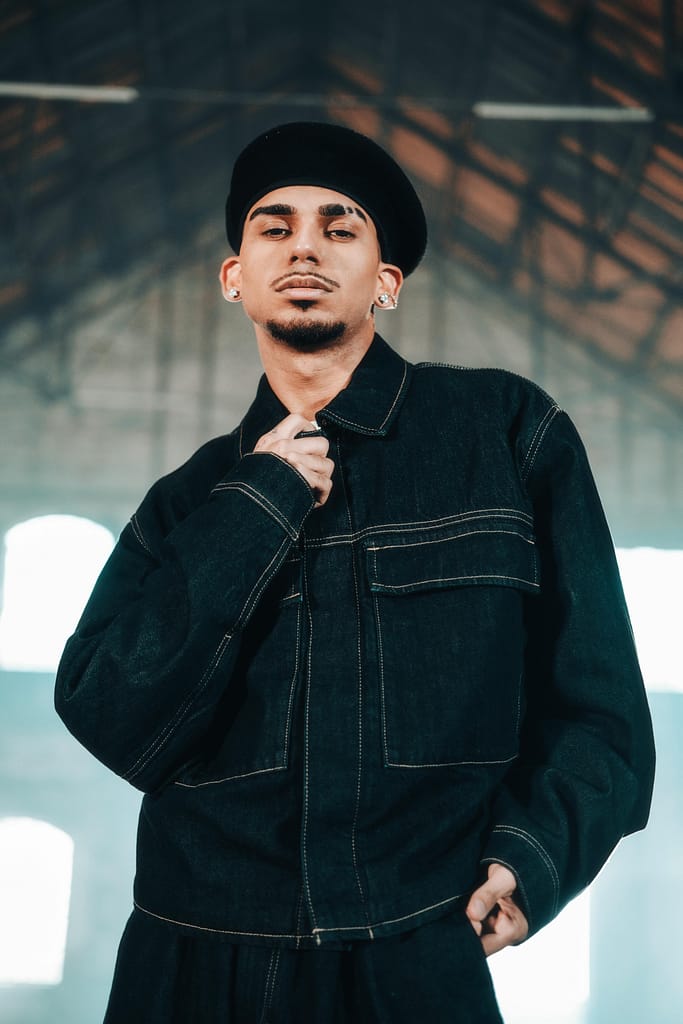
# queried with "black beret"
point(334, 157)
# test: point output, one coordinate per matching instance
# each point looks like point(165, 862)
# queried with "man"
point(367, 656)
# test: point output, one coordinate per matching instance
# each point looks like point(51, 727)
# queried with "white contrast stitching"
point(274, 455)
point(537, 441)
point(391, 920)
point(314, 932)
point(149, 752)
point(382, 587)
point(170, 727)
point(485, 369)
point(447, 540)
point(398, 393)
point(215, 931)
point(450, 764)
point(415, 527)
point(519, 703)
point(383, 710)
point(299, 908)
point(292, 688)
point(288, 725)
point(514, 830)
point(270, 984)
point(354, 827)
point(262, 583)
point(304, 830)
point(231, 778)
point(533, 841)
point(335, 417)
point(520, 884)
point(137, 530)
point(261, 500)
point(265, 991)
point(380, 651)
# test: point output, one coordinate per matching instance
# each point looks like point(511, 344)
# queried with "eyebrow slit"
point(337, 210)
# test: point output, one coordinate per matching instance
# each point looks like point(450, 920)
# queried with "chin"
point(307, 335)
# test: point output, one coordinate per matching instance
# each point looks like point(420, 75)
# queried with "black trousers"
point(432, 975)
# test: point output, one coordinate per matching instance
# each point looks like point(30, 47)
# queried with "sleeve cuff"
point(538, 884)
point(275, 486)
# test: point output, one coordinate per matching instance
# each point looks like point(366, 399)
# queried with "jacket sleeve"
point(585, 772)
point(152, 654)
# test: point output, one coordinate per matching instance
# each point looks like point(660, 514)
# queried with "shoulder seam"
point(138, 534)
point(537, 441)
point(486, 369)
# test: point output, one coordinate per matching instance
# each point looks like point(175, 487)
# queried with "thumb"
point(478, 907)
point(501, 882)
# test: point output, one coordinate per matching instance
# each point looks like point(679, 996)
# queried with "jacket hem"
point(330, 938)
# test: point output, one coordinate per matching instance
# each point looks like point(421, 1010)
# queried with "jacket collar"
point(368, 405)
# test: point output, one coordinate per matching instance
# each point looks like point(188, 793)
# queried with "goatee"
point(306, 335)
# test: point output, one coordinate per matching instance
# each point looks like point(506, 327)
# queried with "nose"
point(304, 245)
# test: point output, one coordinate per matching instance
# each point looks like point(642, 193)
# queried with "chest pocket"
point(450, 634)
point(251, 731)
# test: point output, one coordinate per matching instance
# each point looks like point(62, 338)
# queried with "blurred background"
point(546, 140)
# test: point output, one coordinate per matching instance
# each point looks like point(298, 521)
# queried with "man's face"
point(309, 267)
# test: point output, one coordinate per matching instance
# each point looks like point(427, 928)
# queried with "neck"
point(306, 382)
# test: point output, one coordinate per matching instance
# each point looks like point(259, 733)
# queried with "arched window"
point(51, 564)
point(35, 888)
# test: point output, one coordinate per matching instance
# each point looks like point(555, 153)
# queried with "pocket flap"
point(489, 550)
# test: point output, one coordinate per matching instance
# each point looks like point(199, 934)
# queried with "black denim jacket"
point(339, 715)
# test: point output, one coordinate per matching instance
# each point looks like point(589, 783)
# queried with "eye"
point(340, 233)
point(276, 232)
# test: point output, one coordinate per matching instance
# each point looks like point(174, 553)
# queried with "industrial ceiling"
point(545, 137)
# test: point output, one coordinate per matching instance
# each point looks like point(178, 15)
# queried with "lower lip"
point(304, 293)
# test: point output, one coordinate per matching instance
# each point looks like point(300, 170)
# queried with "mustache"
point(304, 273)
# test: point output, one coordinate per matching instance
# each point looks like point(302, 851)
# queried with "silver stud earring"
point(385, 298)
point(234, 293)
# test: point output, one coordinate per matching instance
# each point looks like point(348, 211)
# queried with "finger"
point(322, 494)
point(502, 931)
point(492, 943)
point(316, 465)
point(316, 471)
point(321, 487)
point(499, 884)
point(517, 926)
point(284, 447)
point(308, 433)
point(477, 908)
point(317, 445)
point(482, 902)
point(291, 425)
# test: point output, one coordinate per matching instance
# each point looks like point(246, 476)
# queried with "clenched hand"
point(493, 913)
point(308, 455)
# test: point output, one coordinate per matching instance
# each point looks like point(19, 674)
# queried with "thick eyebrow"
point(284, 210)
point(276, 210)
point(337, 210)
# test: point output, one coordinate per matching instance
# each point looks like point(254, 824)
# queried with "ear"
point(390, 280)
point(230, 276)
